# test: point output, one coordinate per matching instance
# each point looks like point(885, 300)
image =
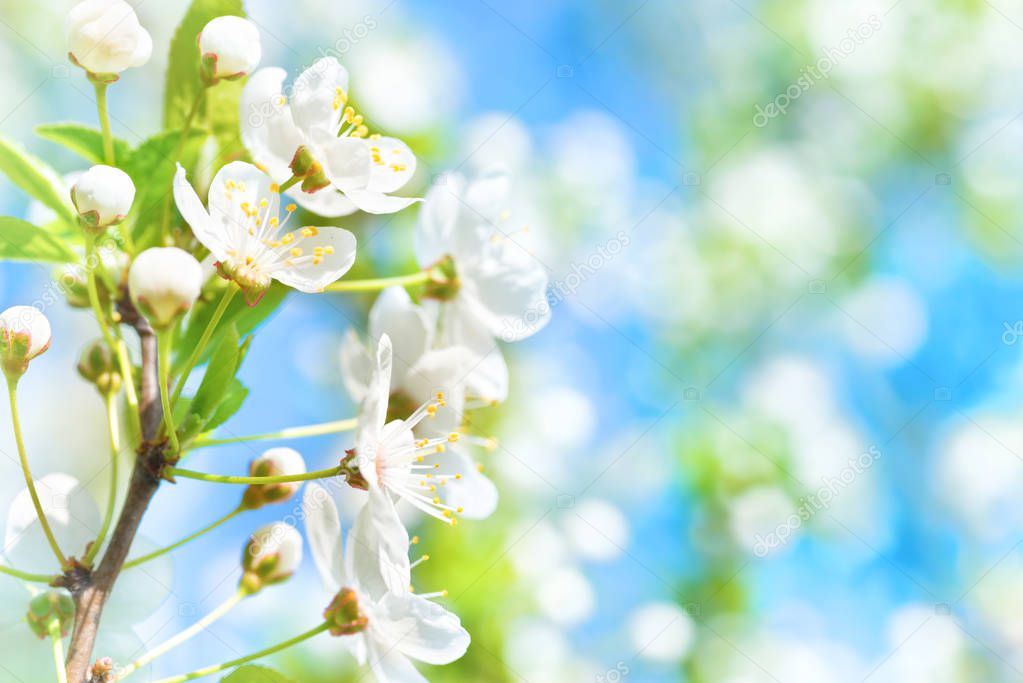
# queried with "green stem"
point(128, 381)
point(335, 427)
point(12, 395)
point(91, 263)
point(379, 283)
point(58, 651)
point(113, 426)
point(204, 340)
point(280, 479)
point(165, 341)
point(176, 157)
point(189, 632)
point(289, 182)
point(25, 576)
point(198, 673)
point(174, 546)
point(104, 122)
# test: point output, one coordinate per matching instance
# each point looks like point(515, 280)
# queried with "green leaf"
point(151, 167)
point(82, 140)
point(231, 404)
point(219, 373)
point(183, 83)
point(36, 178)
point(256, 674)
point(22, 241)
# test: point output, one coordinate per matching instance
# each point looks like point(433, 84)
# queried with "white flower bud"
point(229, 47)
point(103, 197)
point(275, 462)
point(271, 555)
point(164, 282)
point(105, 38)
point(24, 334)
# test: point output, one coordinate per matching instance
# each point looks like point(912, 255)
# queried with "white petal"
point(376, 203)
point(314, 96)
point(226, 212)
point(474, 492)
point(437, 219)
point(389, 665)
point(395, 315)
point(508, 292)
point(373, 410)
point(377, 552)
point(267, 129)
point(195, 215)
point(328, 202)
point(488, 196)
point(310, 278)
point(356, 366)
point(424, 630)
point(346, 162)
point(323, 529)
point(487, 378)
point(71, 512)
point(443, 370)
point(394, 164)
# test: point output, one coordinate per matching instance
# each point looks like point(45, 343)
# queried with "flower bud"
point(164, 282)
point(24, 334)
point(229, 47)
point(105, 38)
point(271, 556)
point(103, 197)
point(276, 462)
point(99, 366)
point(47, 608)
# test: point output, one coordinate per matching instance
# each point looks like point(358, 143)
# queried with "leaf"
point(22, 241)
point(256, 674)
point(36, 178)
point(219, 373)
point(231, 404)
point(85, 141)
point(183, 83)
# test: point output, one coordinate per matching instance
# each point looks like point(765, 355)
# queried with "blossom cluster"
point(428, 357)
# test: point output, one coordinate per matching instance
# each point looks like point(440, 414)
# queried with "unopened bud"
point(272, 555)
point(24, 334)
point(50, 609)
point(343, 615)
point(276, 462)
point(229, 48)
point(105, 38)
point(164, 283)
point(98, 365)
point(102, 197)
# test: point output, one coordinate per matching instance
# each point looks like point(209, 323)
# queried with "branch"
point(91, 589)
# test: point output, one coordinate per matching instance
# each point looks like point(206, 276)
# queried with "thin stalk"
point(25, 576)
point(193, 630)
point(104, 123)
point(379, 283)
point(114, 428)
point(58, 651)
point(334, 427)
point(199, 673)
point(174, 546)
point(281, 479)
point(182, 139)
point(289, 182)
point(128, 381)
point(165, 340)
point(203, 341)
point(12, 395)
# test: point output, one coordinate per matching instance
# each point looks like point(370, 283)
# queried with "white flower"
point(229, 47)
point(105, 37)
point(243, 232)
point(319, 137)
point(103, 196)
point(24, 334)
point(390, 625)
point(275, 462)
point(499, 286)
point(418, 374)
point(272, 555)
point(164, 282)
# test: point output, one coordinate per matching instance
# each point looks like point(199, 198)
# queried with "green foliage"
point(83, 140)
point(232, 402)
point(36, 178)
point(22, 241)
point(256, 674)
point(219, 374)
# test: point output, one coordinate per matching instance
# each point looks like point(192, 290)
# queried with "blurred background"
point(772, 432)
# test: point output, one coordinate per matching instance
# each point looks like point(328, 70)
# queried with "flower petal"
point(395, 315)
point(394, 164)
point(346, 162)
point(328, 202)
point(443, 370)
point(266, 124)
point(473, 492)
point(377, 203)
point(314, 101)
point(508, 291)
point(356, 365)
point(72, 513)
point(373, 409)
point(236, 183)
point(389, 665)
point(488, 196)
point(377, 552)
point(323, 529)
point(487, 376)
point(195, 215)
point(312, 277)
point(423, 629)
point(438, 218)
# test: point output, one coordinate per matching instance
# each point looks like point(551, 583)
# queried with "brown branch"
point(91, 591)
